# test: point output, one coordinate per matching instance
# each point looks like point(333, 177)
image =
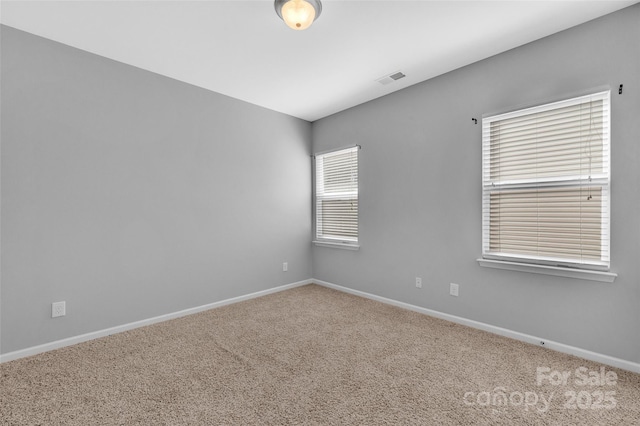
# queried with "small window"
point(336, 197)
point(545, 176)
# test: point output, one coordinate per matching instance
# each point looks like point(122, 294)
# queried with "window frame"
point(328, 240)
point(537, 263)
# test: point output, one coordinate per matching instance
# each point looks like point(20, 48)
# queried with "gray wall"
point(130, 195)
point(420, 190)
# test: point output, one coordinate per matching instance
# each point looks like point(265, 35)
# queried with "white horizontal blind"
point(337, 195)
point(546, 184)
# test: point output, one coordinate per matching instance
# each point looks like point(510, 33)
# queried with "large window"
point(545, 180)
point(336, 197)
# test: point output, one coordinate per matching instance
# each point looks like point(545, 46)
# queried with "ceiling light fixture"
point(298, 14)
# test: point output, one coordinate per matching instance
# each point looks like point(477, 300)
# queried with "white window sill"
point(584, 274)
point(344, 246)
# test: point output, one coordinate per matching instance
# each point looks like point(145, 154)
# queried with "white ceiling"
point(242, 49)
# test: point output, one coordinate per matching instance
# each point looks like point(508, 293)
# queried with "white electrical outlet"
point(418, 282)
point(58, 309)
point(453, 289)
point(285, 267)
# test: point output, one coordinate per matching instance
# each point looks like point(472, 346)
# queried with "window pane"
point(562, 142)
point(557, 222)
point(340, 218)
point(340, 171)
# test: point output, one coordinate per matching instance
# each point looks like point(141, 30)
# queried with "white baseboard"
point(34, 350)
point(538, 341)
point(560, 347)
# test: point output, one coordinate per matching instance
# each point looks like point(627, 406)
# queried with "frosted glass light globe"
point(298, 14)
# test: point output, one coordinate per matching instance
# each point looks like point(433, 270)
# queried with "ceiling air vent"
point(390, 78)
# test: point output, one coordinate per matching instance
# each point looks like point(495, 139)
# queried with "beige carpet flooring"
point(312, 356)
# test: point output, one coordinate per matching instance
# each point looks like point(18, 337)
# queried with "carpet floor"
point(312, 356)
